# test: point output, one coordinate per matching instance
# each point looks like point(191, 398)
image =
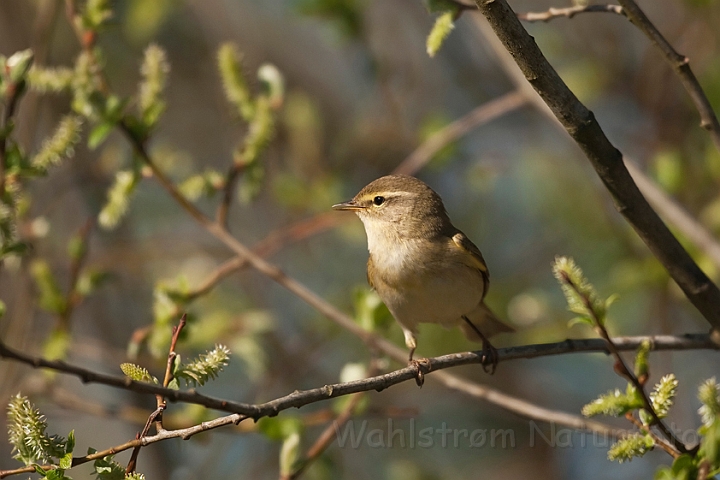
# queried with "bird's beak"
point(349, 205)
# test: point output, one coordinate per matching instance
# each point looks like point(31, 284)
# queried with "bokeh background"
point(361, 95)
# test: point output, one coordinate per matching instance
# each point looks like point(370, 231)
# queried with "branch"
point(675, 214)
point(379, 382)
point(184, 433)
point(480, 115)
point(681, 65)
point(301, 398)
point(621, 367)
point(580, 123)
point(568, 12)
point(669, 209)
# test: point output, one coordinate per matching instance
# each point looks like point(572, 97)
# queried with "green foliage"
point(257, 111)
point(581, 297)
point(634, 445)
point(641, 360)
point(346, 15)
point(57, 344)
point(280, 428)
point(289, 454)
point(370, 312)
point(272, 84)
point(202, 185)
point(663, 395)
point(614, 403)
point(709, 395)
point(668, 170)
point(205, 367)
point(107, 468)
point(683, 468)
point(118, 198)
point(17, 67)
point(444, 24)
point(137, 373)
point(95, 14)
point(60, 146)
point(86, 85)
point(45, 79)
point(26, 433)
point(233, 80)
point(51, 298)
point(154, 70)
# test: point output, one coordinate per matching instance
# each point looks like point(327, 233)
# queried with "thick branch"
point(580, 123)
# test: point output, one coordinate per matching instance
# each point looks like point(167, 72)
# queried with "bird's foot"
point(421, 367)
point(489, 357)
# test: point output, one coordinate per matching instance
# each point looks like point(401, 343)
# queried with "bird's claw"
point(489, 357)
point(421, 367)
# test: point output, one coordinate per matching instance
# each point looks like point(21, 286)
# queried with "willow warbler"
point(423, 268)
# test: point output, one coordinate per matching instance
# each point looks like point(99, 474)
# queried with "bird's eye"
point(378, 200)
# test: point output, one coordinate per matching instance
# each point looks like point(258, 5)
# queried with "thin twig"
point(230, 181)
point(480, 115)
point(661, 442)
point(681, 65)
point(582, 126)
point(73, 297)
point(184, 433)
point(156, 417)
point(621, 367)
point(568, 12)
point(13, 93)
point(328, 435)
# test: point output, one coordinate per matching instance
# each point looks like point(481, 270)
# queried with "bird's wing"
point(476, 258)
point(370, 268)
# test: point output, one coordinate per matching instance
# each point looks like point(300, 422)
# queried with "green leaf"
point(279, 428)
point(580, 320)
point(99, 133)
point(641, 359)
point(444, 24)
point(57, 344)
point(289, 454)
point(683, 468)
point(51, 299)
point(108, 469)
point(18, 65)
point(66, 461)
point(56, 474)
point(70, 443)
point(710, 444)
point(370, 312)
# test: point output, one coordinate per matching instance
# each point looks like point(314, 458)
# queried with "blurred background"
point(361, 94)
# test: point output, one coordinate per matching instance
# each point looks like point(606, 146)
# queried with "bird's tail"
point(484, 320)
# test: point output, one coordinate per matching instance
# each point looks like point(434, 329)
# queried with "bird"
point(422, 267)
